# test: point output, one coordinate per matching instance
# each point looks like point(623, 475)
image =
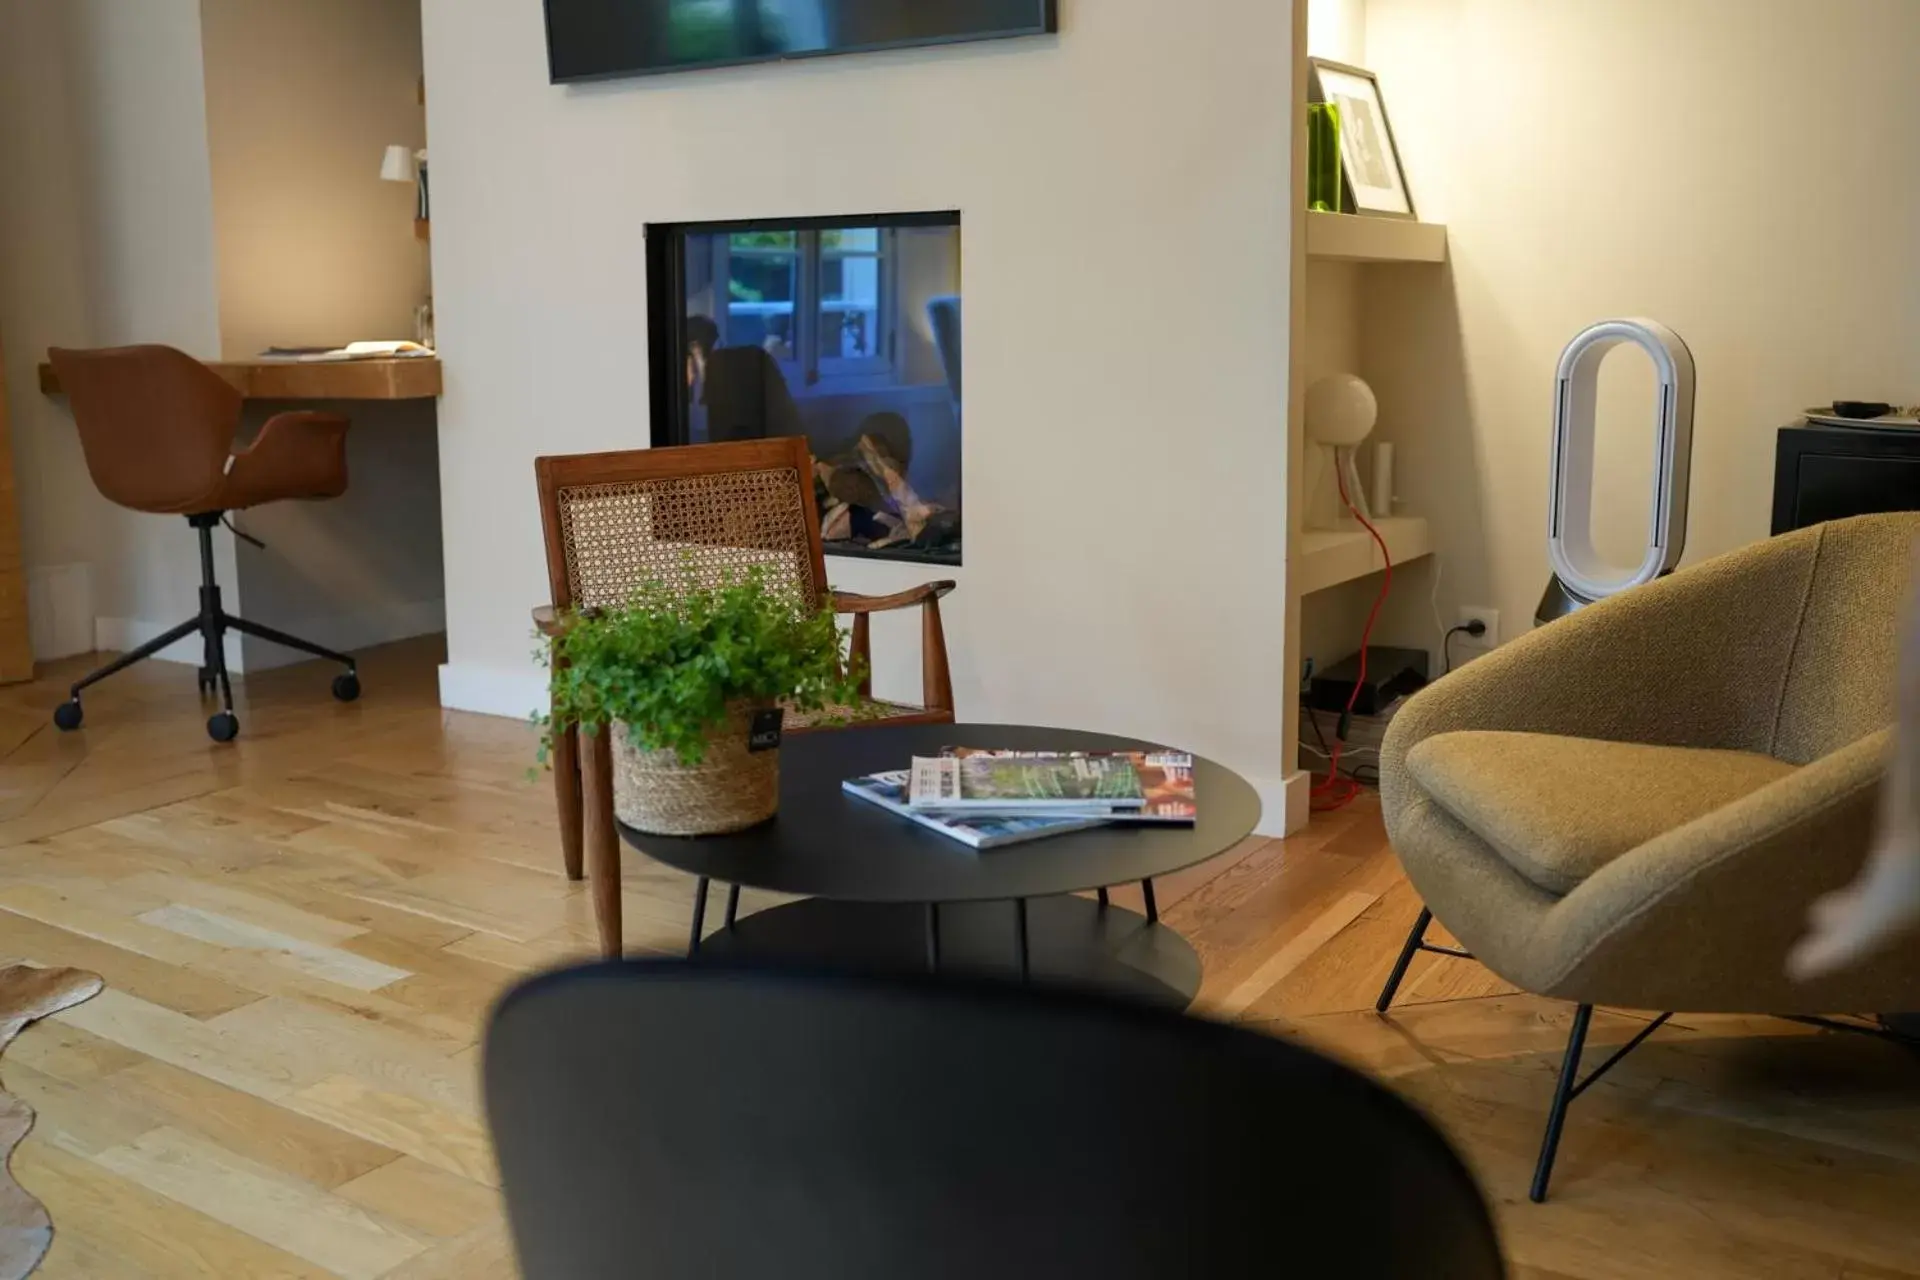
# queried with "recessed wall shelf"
point(1328, 559)
point(1346, 237)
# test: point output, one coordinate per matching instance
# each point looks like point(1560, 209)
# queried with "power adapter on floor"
point(1390, 673)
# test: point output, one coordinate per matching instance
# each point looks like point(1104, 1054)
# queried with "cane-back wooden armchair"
point(616, 520)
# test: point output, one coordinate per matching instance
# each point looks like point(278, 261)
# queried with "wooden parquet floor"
point(301, 935)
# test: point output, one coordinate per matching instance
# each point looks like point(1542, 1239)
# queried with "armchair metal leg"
point(1414, 939)
point(733, 905)
point(1566, 1089)
point(1563, 1090)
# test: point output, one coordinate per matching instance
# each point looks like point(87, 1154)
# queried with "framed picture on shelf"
point(1375, 182)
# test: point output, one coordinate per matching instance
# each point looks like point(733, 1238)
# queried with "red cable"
point(1337, 791)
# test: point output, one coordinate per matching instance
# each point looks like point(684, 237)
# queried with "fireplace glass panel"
point(846, 331)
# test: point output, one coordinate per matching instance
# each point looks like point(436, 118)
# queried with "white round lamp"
point(1341, 411)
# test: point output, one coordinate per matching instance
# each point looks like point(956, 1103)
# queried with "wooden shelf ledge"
point(414, 379)
point(1325, 560)
point(1346, 237)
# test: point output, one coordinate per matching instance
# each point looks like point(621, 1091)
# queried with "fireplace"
point(843, 330)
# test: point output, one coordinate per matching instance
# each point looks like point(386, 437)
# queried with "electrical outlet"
point(1468, 612)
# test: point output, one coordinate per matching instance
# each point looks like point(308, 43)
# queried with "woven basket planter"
point(731, 788)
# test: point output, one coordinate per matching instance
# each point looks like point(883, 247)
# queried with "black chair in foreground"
point(670, 1120)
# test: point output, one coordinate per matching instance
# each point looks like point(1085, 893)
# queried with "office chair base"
point(211, 624)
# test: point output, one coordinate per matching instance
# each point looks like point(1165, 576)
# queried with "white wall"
point(361, 569)
point(1125, 195)
point(106, 237)
point(302, 98)
point(1337, 29)
point(1738, 169)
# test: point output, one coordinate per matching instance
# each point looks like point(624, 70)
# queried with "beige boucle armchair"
point(1635, 805)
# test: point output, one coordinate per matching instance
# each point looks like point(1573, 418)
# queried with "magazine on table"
point(975, 830)
point(1166, 781)
point(1026, 783)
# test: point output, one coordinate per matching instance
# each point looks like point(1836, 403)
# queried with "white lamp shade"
point(397, 164)
point(1340, 410)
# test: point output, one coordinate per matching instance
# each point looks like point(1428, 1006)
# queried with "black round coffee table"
point(882, 892)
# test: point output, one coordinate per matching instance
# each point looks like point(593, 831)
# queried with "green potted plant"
point(687, 679)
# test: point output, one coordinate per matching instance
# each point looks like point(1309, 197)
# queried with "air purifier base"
point(1557, 602)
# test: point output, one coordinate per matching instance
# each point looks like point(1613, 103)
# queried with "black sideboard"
point(1829, 473)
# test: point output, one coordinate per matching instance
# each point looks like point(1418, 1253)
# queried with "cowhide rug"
point(27, 995)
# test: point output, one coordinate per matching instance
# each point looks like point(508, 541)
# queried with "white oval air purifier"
point(1580, 574)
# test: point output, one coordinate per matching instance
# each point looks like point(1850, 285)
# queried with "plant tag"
point(764, 733)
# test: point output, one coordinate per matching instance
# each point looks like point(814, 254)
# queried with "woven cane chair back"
point(698, 515)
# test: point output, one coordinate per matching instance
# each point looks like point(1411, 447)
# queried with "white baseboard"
point(117, 635)
point(513, 692)
point(1298, 802)
point(60, 610)
point(347, 632)
point(1274, 794)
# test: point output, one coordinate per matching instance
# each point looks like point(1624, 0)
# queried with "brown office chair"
point(157, 427)
point(615, 520)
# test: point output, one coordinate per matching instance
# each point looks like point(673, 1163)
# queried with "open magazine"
point(1025, 782)
point(1166, 781)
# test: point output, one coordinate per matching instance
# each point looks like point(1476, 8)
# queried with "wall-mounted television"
point(598, 39)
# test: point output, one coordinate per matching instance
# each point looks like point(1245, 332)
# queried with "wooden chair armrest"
point(853, 602)
point(936, 681)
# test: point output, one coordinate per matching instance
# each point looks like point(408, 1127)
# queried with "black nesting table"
point(880, 892)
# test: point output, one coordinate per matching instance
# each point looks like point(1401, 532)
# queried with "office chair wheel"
point(346, 687)
point(67, 715)
point(223, 726)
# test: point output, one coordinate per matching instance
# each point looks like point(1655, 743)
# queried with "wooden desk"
point(415, 379)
